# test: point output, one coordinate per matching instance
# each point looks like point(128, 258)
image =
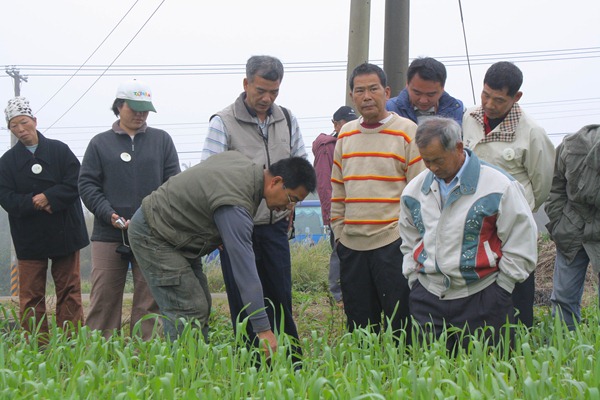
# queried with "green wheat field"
point(546, 362)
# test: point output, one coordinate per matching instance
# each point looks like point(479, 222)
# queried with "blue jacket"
point(448, 107)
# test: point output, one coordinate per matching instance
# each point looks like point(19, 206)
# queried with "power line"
point(462, 20)
point(115, 59)
point(91, 55)
point(49, 70)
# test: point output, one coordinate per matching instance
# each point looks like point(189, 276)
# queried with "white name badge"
point(508, 154)
point(126, 157)
point(36, 168)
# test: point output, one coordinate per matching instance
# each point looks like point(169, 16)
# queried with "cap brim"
point(140, 106)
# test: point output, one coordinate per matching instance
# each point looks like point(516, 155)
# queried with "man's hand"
point(268, 341)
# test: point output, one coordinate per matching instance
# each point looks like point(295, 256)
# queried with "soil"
point(544, 273)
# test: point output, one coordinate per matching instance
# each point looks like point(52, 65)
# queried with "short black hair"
point(504, 74)
point(366, 69)
point(117, 104)
point(267, 67)
point(429, 69)
point(295, 172)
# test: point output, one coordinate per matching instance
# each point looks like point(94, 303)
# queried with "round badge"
point(508, 154)
point(126, 157)
point(36, 168)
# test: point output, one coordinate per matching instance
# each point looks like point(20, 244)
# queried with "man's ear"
point(276, 180)
point(518, 96)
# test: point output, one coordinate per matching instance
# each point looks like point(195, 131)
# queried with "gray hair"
point(267, 67)
point(447, 130)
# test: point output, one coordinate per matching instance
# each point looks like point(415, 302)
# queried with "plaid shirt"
point(505, 132)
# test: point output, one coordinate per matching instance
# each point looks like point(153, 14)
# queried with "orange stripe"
point(374, 154)
point(372, 200)
point(333, 180)
point(335, 218)
point(415, 160)
point(384, 132)
point(349, 133)
point(397, 133)
point(338, 164)
point(337, 199)
point(369, 222)
point(374, 178)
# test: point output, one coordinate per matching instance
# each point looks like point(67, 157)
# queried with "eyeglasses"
point(288, 196)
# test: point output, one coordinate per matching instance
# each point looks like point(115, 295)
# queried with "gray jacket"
point(574, 203)
point(245, 137)
point(117, 172)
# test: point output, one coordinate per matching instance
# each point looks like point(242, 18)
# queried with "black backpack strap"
point(292, 231)
point(289, 122)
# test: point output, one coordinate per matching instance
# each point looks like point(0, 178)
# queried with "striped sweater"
point(371, 167)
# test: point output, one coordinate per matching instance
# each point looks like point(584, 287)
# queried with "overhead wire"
point(87, 59)
point(48, 70)
point(462, 20)
point(113, 61)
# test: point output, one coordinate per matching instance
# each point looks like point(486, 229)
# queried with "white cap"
point(137, 95)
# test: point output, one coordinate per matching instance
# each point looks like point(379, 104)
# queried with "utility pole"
point(18, 78)
point(395, 43)
point(14, 271)
point(358, 39)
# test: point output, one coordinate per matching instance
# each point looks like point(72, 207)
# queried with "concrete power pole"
point(395, 47)
point(358, 39)
point(17, 77)
point(14, 272)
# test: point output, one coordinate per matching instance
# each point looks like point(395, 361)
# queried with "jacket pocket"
point(568, 230)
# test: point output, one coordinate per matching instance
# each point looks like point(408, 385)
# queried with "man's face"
point(424, 94)
point(279, 197)
point(261, 94)
point(444, 164)
point(369, 97)
point(24, 129)
point(337, 125)
point(497, 103)
point(129, 120)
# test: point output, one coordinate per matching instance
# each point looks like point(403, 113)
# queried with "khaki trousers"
point(109, 273)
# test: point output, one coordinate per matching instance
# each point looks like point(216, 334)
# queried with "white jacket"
point(485, 232)
point(519, 146)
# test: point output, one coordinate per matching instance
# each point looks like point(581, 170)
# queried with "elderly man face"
point(369, 97)
point(444, 164)
point(261, 94)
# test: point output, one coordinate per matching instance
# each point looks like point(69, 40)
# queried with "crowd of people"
point(430, 208)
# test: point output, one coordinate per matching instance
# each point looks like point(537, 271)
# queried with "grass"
point(547, 361)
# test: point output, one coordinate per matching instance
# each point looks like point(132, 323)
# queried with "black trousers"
point(372, 283)
point(523, 298)
point(493, 307)
point(274, 266)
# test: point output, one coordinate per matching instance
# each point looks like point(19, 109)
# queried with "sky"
point(192, 53)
